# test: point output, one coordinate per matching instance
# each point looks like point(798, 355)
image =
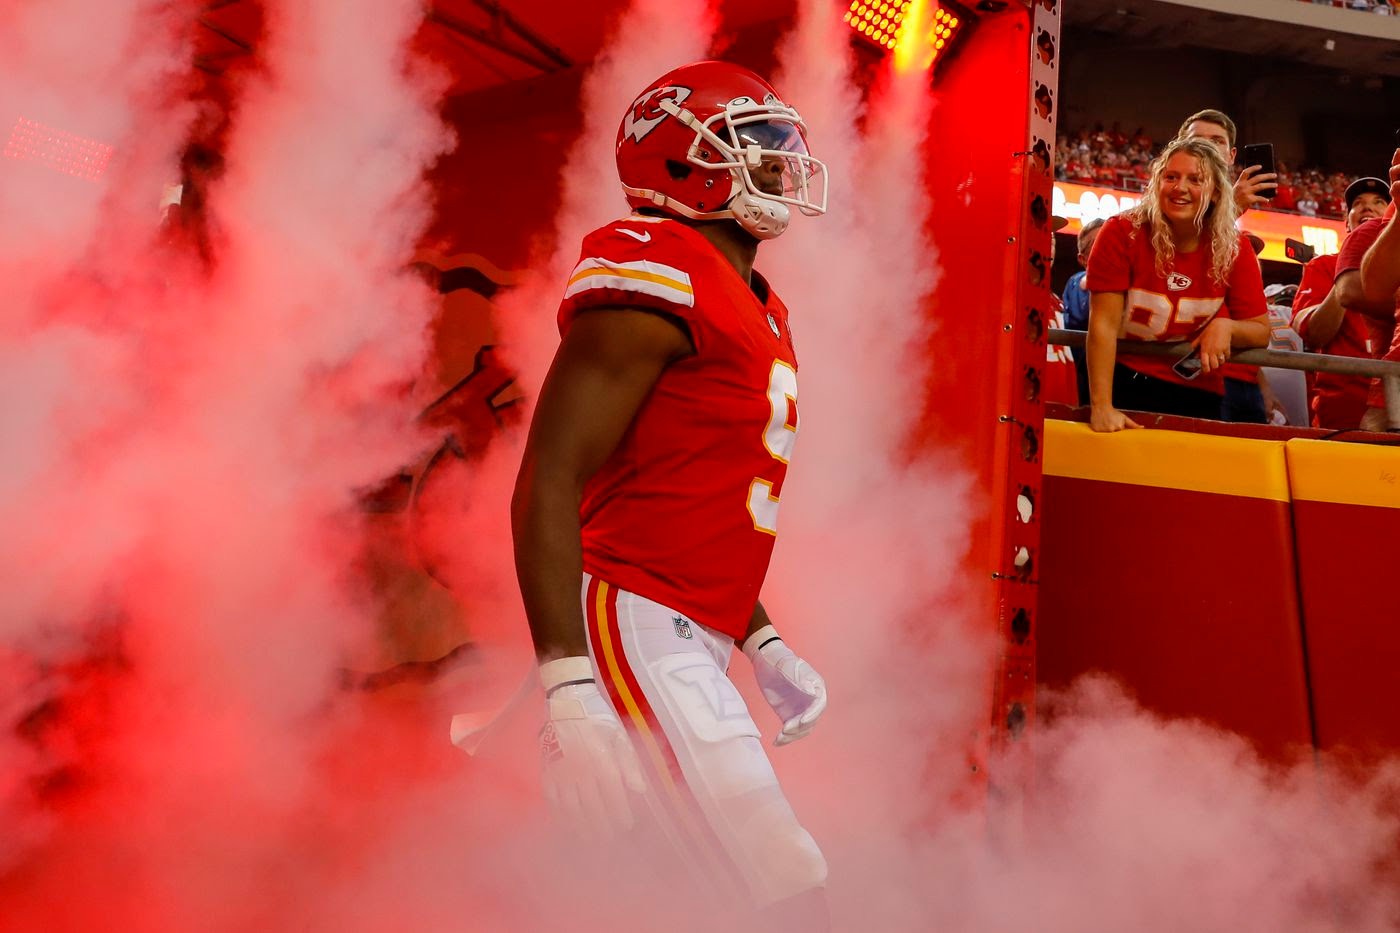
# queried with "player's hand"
point(590, 767)
point(796, 692)
point(1252, 189)
point(1106, 419)
point(1214, 344)
point(1395, 176)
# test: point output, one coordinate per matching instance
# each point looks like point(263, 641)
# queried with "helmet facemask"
point(763, 148)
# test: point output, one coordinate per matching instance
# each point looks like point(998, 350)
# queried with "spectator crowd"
point(1114, 159)
point(1383, 7)
point(1175, 268)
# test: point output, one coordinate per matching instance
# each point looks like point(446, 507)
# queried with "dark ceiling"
point(482, 42)
point(1171, 25)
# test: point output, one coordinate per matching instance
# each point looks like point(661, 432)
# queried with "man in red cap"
point(1331, 317)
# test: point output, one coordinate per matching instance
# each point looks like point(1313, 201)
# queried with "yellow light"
point(879, 36)
point(910, 49)
point(938, 44)
point(953, 21)
point(847, 17)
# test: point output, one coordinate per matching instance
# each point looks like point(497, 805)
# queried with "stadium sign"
point(1082, 203)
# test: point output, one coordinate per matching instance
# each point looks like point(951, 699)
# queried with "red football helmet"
point(712, 140)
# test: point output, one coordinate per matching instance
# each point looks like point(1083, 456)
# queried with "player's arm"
point(1105, 319)
point(606, 365)
point(791, 686)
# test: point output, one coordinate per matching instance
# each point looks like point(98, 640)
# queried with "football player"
point(646, 506)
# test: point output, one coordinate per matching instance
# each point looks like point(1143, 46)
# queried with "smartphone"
point(1298, 251)
point(1189, 366)
point(1261, 154)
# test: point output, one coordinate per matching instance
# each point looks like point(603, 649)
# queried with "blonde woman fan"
point(1172, 269)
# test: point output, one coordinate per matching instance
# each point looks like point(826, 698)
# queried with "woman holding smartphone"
point(1172, 269)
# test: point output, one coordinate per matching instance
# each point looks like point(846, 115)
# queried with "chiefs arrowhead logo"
point(646, 112)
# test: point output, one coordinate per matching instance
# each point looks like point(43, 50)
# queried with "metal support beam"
point(549, 58)
point(502, 16)
point(1279, 359)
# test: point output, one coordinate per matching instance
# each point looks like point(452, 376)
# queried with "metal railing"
point(1387, 372)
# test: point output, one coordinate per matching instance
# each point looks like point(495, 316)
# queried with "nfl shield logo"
point(682, 627)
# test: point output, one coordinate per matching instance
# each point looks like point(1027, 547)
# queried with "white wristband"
point(758, 639)
point(560, 671)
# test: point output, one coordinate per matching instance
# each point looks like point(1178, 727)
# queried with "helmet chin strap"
point(762, 217)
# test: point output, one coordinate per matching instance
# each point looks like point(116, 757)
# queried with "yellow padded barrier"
point(1228, 466)
point(1349, 474)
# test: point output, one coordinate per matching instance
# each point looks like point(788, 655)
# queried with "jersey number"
point(1151, 314)
point(778, 437)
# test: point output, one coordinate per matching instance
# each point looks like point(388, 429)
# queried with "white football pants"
point(712, 789)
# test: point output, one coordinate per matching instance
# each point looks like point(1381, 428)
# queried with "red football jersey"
point(684, 511)
point(1175, 307)
point(1338, 401)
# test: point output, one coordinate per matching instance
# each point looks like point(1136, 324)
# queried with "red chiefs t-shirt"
point(1175, 307)
point(1338, 401)
point(684, 511)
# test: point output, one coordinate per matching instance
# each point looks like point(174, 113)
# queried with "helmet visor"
point(777, 135)
point(784, 168)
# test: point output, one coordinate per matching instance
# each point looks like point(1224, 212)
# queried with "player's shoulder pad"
point(640, 234)
point(650, 258)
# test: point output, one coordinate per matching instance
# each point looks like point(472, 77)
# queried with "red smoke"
point(182, 521)
point(182, 537)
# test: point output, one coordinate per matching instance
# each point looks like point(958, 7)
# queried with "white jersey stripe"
point(648, 278)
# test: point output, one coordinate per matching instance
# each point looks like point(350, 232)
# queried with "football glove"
point(796, 692)
point(590, 767)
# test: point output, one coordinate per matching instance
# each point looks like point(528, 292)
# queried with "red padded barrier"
point(1167, 561)
point(1347, 517)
